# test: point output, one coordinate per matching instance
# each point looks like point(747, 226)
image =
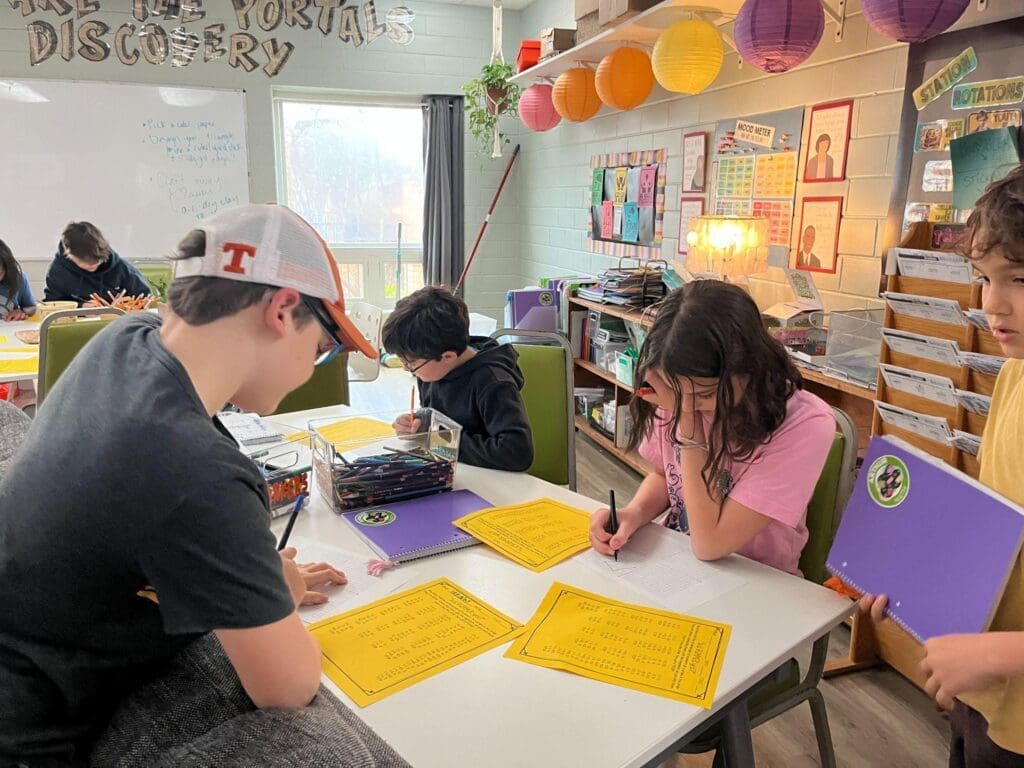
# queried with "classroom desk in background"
point(18, 361)
point(496, 712)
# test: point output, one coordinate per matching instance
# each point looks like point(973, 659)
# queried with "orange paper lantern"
point(624, 78)
point(575, 96)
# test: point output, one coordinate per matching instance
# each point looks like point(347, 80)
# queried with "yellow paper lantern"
point(624, 78)
point(574, 95)
point(688, 56)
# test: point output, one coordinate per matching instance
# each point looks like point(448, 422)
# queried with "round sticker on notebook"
point(888, 481)
point(375, 517)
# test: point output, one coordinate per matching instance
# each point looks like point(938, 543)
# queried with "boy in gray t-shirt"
point(131, 526)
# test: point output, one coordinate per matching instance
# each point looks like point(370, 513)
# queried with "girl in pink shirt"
point(737, 445)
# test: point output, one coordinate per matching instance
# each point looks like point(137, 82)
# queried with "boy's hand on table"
point(604, 542)
point(406, 425)
point(303, 577)
point(14, 315)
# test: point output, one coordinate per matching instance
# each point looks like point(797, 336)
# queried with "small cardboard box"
point(554, 40)
point(615, 11)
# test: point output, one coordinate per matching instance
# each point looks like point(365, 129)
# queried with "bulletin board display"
point(627, 204)
point(754, 169)
point(957, 84)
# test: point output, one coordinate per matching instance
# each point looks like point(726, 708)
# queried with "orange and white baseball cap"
point(272, 244)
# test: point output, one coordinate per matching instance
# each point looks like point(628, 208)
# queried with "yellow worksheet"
point(381, 648)
point(646, 649)
point(350, 433)
point(20, 365)
point(536, 534)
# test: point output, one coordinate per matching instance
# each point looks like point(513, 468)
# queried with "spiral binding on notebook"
point(888, 610)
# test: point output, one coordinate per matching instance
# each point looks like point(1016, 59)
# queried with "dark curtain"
point(444, 247)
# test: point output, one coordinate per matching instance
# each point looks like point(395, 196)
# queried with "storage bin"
point(363, 468)
point(529, 54)
point(854, 343)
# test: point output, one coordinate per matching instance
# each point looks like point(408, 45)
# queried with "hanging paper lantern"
point(624, 78)
point(687, 56)
point(912, 21)
point(776, 35)
point(574, 95)
point(536, 110)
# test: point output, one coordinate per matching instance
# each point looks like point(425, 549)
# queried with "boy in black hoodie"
point(86, 264)
point(474, 381)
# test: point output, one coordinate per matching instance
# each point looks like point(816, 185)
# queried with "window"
point(353, 167)
point(354, 171)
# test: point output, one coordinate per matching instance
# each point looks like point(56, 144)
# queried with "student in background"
point(146, 616)
point(16, 299)
point(474, 381)
point(736, 443)
point(86, 264)
point(981, 677)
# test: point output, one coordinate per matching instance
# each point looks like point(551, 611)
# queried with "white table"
point(495, 712)
point(10, 350)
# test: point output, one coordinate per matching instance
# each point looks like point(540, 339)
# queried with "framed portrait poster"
point(818, 235)
point(695, 147)
point(689, 208)
point(828, 141)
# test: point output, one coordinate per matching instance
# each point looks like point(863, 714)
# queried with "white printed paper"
point(664, 570)
point(934, 265)
point(926, 307)
point(977, 317)
point(973, 402)
point(990, 364)
point(361, 587)
point(937, 388)
point(966, 442)
point(945, 351)
point(933, 428)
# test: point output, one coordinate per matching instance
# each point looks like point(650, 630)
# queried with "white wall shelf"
point(642, 29)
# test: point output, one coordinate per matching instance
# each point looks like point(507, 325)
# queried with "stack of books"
point(639, 287)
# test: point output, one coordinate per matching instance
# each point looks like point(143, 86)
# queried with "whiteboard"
point(143, 163)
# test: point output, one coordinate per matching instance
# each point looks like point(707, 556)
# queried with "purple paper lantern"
point(912, 21)
point(536, 110)
point(776, 35)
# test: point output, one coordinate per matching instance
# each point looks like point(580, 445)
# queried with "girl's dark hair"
point(12, 272)
point(998, 219)
point(710, 329)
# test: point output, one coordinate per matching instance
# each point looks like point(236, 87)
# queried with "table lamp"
point(731, 247)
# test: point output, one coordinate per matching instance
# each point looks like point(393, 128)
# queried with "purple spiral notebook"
point(419, 527)
point(937, 542)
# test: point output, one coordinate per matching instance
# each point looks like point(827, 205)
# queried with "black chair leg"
point(822, 732)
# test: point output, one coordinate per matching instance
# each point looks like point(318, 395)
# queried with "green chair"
point(156, 273)
point(327, 386)
point(59, 342)
point(783, 689)
point(546, 362)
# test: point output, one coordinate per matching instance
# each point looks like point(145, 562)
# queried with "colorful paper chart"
point(388, 645)
point(735, 176)
point(775, 175)
point(732, 207)
point(537, 534)
point(645, 649)
point(780, 219)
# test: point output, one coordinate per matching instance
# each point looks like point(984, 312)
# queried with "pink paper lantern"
point(536, 110)
point(912, 21)
point(776, 35)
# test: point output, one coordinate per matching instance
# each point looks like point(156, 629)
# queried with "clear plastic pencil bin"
point(854, 343)
point(360, 461)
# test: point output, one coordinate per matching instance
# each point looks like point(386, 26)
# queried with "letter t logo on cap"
point(238, 250)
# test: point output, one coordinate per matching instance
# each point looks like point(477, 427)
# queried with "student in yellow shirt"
point(981, 676)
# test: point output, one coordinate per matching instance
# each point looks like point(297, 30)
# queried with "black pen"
point(613, 519)
point(291, 521)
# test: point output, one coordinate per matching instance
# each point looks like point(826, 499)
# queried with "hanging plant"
point(488, 97)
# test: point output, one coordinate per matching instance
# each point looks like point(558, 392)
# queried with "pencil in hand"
point(291, 521)
point(412, 405)
point(612, 526)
